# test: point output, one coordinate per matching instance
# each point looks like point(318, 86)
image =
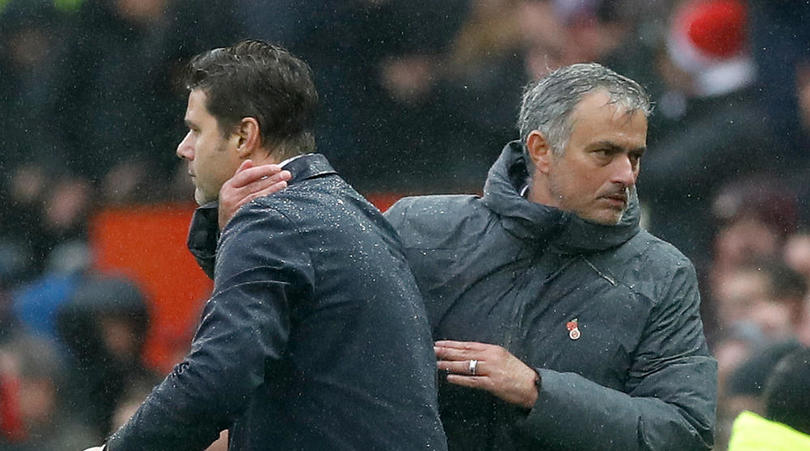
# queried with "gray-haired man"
point(562, 324)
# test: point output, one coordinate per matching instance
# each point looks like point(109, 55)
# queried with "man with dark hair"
point(315, 336)
point(561, 324)
point(786, 422)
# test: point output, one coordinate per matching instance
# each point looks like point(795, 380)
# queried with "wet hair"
point(787, 399)
point(548, 103)
point(264, 81)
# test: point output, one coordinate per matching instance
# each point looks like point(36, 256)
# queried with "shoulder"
point(657, 252)
point(263, 212)
point(257, 225)
point(653, 267)
point(301, 200)
point(258, 237)
point(433, 221)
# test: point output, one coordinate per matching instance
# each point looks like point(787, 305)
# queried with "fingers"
point(238, 195)
point(461, 367)
point(463, 345)
point(274, 187)
point(469, 381)
point(496, 370)
point(263, 183)
point(461, 350)
point(248, 183)
point(248, 174)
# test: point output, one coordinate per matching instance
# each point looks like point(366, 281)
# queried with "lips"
point(619, 198)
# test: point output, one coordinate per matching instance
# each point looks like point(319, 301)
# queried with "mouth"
point(618, 200)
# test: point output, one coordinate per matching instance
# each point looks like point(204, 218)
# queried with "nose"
point(185, 149)
point(625, 171)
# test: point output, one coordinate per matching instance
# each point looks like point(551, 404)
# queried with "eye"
point(603, 154)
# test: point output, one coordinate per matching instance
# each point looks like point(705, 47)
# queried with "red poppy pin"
point(573, 329)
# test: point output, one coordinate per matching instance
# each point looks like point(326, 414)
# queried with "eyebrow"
point(615, 148)
point(190, 124)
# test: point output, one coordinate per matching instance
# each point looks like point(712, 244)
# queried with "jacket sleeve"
point(670, 398)
point(260, 268)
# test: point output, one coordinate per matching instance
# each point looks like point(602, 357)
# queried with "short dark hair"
point(264, 81)
point(787, 399)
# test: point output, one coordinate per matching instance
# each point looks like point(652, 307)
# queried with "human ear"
point(247, 137)
point(539, 151)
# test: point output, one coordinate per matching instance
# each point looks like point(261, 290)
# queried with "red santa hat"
point(708, 39)
point(705, 32)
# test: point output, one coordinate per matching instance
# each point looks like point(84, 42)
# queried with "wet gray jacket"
point(500, 269)
point(315, 336)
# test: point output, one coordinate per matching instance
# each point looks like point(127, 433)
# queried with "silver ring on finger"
point(473, 367)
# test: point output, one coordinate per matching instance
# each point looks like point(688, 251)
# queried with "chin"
point(607, 218)
point(199, 198)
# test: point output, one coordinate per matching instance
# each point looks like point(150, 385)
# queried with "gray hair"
point(548, 103)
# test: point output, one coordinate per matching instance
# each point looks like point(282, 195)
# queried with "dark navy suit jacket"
point(315, 336)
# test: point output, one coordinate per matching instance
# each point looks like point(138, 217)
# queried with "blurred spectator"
point(475, 86)
point(734, 347)
point(784, 423)
point(709, 127)
point(803, 329)
point(43, 211)
point(36, 304)
point(31, 155)
point(604, 31)
point(767, 295)
point(796, 252)
point(343, 43)
point(31, 409)
point(744, 390)
point(419, 133)
point(754, 217)
point(779, 41)
point(11, 263)
point(31, 44)
point(103, 326)
point(119, 89)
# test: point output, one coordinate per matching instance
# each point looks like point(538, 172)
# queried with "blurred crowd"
point(417, 97)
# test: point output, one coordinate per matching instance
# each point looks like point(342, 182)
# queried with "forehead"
point(197, 109)
point(596, 117)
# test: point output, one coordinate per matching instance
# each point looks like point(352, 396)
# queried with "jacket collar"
point(542, 224)
point(203, 233)
point(309, 166)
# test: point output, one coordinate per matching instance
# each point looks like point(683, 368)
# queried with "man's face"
point(600, 164)
point(212, 158)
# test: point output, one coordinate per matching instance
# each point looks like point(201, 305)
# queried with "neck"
point(540, 193)
point(264, 157)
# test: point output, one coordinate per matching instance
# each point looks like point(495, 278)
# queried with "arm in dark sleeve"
point(671, 392)
point(260, 268)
